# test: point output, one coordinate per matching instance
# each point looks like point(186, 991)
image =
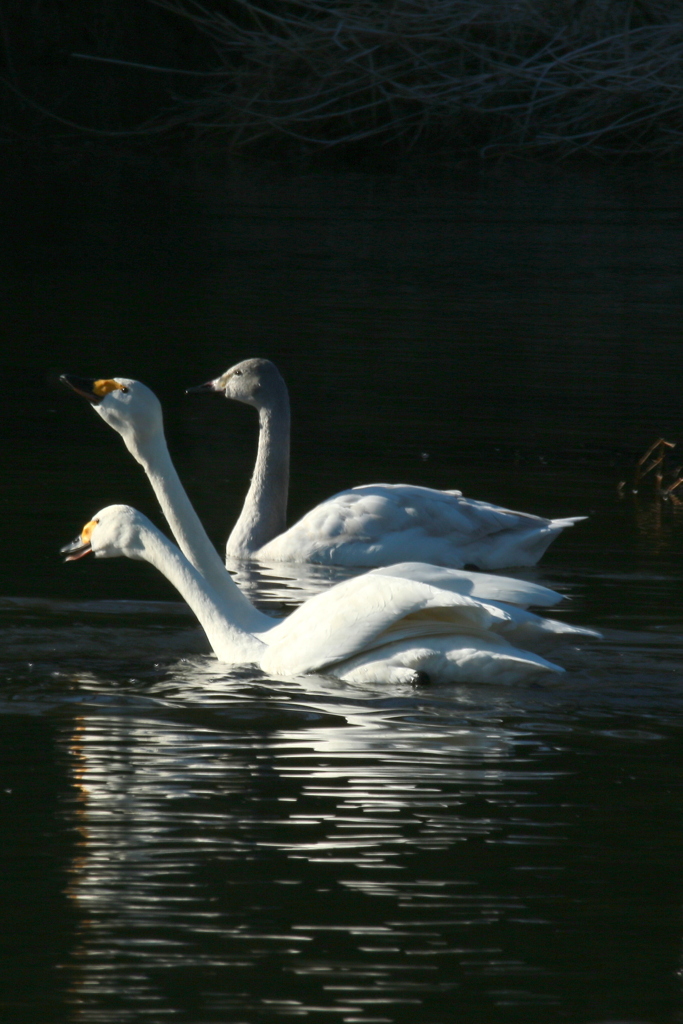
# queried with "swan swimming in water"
point(370, 525)
point(386, 626)
point(133, 411)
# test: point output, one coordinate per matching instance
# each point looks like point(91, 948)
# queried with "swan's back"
point(380, 524)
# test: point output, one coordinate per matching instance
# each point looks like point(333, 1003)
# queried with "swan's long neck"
point(191, 536)
point(230, 642)
point(264, 514)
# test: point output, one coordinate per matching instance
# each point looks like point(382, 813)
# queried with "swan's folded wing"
point(372, 511)
point(523, 625)
point(384, 523)
point(347, 620)
point(504, 593)
point(479, 585)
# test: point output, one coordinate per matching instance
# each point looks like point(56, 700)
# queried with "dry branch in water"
point(489, 76)
point(667, 479)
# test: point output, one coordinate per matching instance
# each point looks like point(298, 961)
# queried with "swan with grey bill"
point(370, 525)
point(386, 626)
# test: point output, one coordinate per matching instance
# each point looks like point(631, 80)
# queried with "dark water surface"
point(184, 843)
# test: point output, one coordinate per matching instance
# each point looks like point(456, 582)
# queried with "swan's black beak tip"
point(201, 389)
point(76, 549)
point(84, 386)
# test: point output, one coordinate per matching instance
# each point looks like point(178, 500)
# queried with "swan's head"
point(115, 530)
point(253, 381)
point(128, 406)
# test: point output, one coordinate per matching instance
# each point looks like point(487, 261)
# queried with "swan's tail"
point(522, 547)
point(562, 524)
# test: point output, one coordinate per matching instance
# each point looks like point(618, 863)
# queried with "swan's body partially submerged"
point(407, 623)
point(379, 524)
point(371, 525)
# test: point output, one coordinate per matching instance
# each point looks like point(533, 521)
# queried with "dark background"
point(513, 332)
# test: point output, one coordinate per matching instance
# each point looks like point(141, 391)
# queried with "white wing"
point(365, 612)
point(480, 585)
point(504, 593)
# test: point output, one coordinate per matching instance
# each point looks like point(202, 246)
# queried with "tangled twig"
point(557, 76)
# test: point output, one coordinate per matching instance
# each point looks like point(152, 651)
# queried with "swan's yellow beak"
point(93, 390)
point(81, 545)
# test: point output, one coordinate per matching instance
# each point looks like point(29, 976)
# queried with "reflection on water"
point(377, 868)
point(659, 522)
point(278, 588)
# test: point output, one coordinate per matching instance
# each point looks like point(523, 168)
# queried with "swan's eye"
point(237, 373)
point(125, 390)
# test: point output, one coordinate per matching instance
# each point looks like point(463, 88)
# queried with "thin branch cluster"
point(490, 76)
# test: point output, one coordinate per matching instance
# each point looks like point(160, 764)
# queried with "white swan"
point(370, 525)
point(379, 627)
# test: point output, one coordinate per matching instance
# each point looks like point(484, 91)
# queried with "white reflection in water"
point(279, 587)
point(202, 849)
